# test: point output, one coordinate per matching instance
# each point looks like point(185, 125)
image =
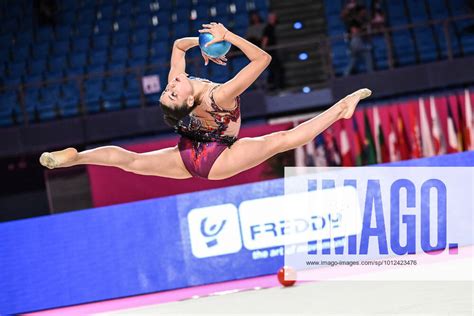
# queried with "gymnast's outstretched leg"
point(249, 152)
point(164, 162)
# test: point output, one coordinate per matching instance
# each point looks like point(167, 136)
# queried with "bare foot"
point(56, 159)
point(348, 104)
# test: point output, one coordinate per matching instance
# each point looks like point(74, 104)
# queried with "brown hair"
point(173, 116)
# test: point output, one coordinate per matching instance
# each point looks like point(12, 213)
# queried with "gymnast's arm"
point(178, 62)
point(259, 60)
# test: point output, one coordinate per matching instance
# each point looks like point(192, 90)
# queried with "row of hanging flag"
point(417, 128)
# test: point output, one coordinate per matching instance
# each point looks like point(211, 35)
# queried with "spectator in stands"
point(359, 48)
point(358, 23)
point(349, 13)
point(378, 17)
point(255, 29)
point(276, 77)
point(378, 21)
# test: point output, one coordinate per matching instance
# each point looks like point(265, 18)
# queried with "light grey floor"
point(348, 296)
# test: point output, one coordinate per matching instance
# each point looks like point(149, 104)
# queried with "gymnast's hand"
point(217, 30)
point(218, 60)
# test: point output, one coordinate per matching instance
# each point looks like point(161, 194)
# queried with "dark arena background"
point(98, 240)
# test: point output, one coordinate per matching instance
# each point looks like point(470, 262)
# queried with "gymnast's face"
point(178, 91)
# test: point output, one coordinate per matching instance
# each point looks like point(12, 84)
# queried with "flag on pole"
point(320, 152)
point(333, 157)
point(369, 146)
point(393, 143)
point(358, 143)
point(346, 156)
point(453, 144)
point(469, 120)
point(377, 134)
point(426, 138)
point(439, 140)
point(402, 136)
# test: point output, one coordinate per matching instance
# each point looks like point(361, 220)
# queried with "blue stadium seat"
point(98, 57)
point(197, 25)
point(181, 3)
point(70, 89)
point(202, 11)
point(83, 30)
point(80, 45)
point(396, 14)
point(182, 15)
point(218, 73)
point(47, 110)
point(241, 6)
point(222, 8)
point(160, 33)
point(458, 7)
point(237, 64)
point(57, 63)
point(6, 117)
point(8, 99)
point(92, 95)
point(68, 106)
point(122, 25)
point(164, 18)
point(63, 32)
point(224, 19)
point(95, 68)
point(20, 53)
point(181, 30)
point(117, 66)
point(16, 69)
point(443, 43)
point(241, 20)
point(66, 17)
point(40, 51)
point(23, 38)
point(119, 54)
point(124, 9)
point(425, 43)
point(142, 20)
point(140, 36)
point(54, 74)
point(404, 48)
point(160, 50)
point(105, 12)
point(60, 48)
point(77, 60)
point(380, 53)
point(74, 71)
point(120, 39)
point(139, 51)
point(33, 78)
point(438, 9)
point(417, 11)
point(50, 93)
point(85, 16)
point(100, 42)
point(44, 34)
point(103, 27)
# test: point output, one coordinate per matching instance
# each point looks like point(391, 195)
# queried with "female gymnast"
point(208, 146)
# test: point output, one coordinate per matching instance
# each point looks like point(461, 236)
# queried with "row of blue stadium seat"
point(112, 93)
point(92, 37)
point(420, 44)
point(123, 31)
point(104, 16)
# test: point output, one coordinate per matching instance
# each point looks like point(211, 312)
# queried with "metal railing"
point(323, 46)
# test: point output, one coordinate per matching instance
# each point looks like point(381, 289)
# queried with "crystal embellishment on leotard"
point(195, 130)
